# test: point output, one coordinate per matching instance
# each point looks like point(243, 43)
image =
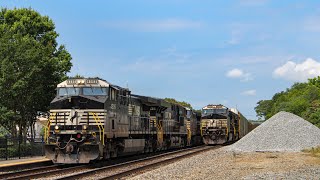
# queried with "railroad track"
point(33, 172)
point(133, 167)
point(105, 170)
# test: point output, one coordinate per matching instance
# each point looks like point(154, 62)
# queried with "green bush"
point(13, 150)
point(315, 151)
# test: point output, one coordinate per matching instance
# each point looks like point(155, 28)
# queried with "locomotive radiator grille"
point(77, 118)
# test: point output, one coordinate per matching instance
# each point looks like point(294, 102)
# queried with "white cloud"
point(164, 25)
point(298, 72)
point(251, 92)
point(235, 73)
point(238, 73)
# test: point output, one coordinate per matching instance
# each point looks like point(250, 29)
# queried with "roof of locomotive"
point(81, 82)
point(213, 106)
point(152, 100)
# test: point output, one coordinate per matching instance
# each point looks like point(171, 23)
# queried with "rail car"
point(92, 119)
point(220, 124)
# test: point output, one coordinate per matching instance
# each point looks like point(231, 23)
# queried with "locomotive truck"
point(220, 124)
point(92, 119)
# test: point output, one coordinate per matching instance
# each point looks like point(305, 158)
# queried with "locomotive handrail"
point(159, 132)
point(201, 126)
point(47, 128)
point(189, 131)
point(97, 119)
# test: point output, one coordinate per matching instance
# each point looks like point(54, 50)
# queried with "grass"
point(315, 151)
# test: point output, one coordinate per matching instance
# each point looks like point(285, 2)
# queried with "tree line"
point(302, 99)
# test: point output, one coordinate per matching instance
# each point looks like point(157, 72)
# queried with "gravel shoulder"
point(225, 164)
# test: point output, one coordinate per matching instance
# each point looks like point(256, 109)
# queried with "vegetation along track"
point(137, 166)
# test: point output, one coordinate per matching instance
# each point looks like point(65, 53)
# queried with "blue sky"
point(230, 52)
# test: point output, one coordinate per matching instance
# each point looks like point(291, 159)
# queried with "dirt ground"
point(275, 163)
point(221, 164)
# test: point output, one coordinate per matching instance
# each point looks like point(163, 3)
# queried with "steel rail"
point(27, 171)
point(92, 173)
point(43, 172)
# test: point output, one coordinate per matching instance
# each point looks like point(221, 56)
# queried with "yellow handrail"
point(227, 129)
point(189, 135)
point(159, 132)
point(100, 126)
point(47, 128)
point(201, 122)
point(189, 130)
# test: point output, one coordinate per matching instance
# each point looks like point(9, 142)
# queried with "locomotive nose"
point(78, 102)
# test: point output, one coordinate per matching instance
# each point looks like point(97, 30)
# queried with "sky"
point(202, 52)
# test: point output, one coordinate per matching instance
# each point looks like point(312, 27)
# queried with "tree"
point(263, 108)
point(182, 103)
point(31, 64)
point(302, 99)
point(77, 76)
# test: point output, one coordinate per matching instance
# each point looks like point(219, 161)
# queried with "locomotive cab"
point(74, 131)
point(220, 124)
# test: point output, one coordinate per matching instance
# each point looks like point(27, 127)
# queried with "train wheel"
point(237, 136)
point(106, 155)
point(231, 137)
point(114, 153)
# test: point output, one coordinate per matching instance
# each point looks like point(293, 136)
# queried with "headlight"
point(84, 127)
point(56, 127)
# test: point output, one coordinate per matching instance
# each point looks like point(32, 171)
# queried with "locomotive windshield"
point(95, 91)
point(213, 111)
point(87, 91)
point(68, 91)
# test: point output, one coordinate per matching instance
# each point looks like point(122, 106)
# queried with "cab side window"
point(112, 94)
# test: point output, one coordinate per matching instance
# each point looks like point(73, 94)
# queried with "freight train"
point(220, 124)
point(92, 119)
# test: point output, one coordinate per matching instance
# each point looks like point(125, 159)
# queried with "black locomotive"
point(92, 119)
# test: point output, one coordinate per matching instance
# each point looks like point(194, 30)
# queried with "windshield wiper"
point(75, 92)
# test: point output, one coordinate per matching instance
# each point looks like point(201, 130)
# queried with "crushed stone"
point(282, 132)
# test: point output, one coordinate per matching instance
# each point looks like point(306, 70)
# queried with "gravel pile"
point(282, 132)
